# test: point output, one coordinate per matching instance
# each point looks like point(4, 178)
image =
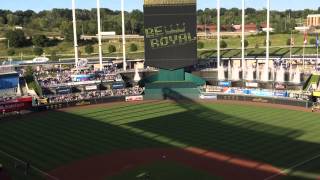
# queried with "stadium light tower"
point(266, 70)
point(123, 37)
point(243, 64)
point(218, 38)
point(75, 39)
point(99, 34)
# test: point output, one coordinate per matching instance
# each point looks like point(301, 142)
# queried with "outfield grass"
point(279, 137)
point(164, 170)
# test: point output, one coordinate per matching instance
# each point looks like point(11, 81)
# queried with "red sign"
point(279, 86)
point(134, 98)
point(17, 104)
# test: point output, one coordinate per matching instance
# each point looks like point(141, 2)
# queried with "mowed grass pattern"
point(280, 137)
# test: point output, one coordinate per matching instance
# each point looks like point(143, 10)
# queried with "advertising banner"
point(208, 96)
point(118, 85)
point(91, 88)
point(280, 86)
point(134, 98)
point(224, 83)
point(281, 94)
point(63, 90)
point(252, 84)
point(16, 104)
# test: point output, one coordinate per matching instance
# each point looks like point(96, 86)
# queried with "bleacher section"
point(9, 84)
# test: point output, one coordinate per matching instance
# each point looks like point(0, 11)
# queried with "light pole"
point(218, 38)
point(123, 37)
point(266, 70)
point(99, 34)
point(75, 39)
point(243, 64)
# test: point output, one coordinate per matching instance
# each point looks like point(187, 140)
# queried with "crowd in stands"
point(48, 78)
point(11, 92)
point(94, 94)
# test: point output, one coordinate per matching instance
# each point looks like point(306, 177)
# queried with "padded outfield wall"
point(271, 100)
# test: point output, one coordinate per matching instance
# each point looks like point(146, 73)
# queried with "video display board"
point(170, 35)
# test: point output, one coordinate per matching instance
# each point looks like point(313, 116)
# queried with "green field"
point(283, 138)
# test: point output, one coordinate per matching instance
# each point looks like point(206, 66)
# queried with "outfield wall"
point(61, 105)
point(271, 100)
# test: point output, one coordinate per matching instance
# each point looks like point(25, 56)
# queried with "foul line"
point(33, 167)
point(285, 171)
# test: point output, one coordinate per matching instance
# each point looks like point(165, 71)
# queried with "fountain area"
point(288, 76)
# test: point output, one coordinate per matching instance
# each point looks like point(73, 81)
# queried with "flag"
point(305, 42)
point(317, 41)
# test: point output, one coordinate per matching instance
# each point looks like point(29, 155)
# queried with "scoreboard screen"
point(170, 35)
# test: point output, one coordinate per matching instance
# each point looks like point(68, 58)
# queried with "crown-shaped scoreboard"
point(170, 33)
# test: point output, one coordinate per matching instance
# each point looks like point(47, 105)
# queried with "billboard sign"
point(280, 86)
point(281, 94)
point(91, 88)
point(16, 104)
point(134, 98)
point(118, 85)
point(170, 34)
point(63, 90)
point(224, 83)
point(252, 84)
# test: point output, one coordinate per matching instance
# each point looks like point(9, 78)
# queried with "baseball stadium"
point(166, 116)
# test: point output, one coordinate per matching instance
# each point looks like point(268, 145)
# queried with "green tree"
point(66, 29)
point(2, 20)
point(11, 52)
point(133, 47)
point(313, 41)
point(12, 19)
point(40, 40)
point(38, 51)
point(223, 44)
point(112, 48)
point(288, 42)
point(53, 56)
point(200, 45)
point(265, 43)
point(89, 49)
point(16, 38)
point(246, 43)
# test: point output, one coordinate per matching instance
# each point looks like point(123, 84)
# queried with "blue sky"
point(38, 5)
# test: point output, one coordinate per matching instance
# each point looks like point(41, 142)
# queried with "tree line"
point(59, 21)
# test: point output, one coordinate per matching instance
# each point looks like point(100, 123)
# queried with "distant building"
point(18, 27)
point(207, 28)
point(313, 20)
point(263, 27)
point(302, 28)
point(252, 28)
